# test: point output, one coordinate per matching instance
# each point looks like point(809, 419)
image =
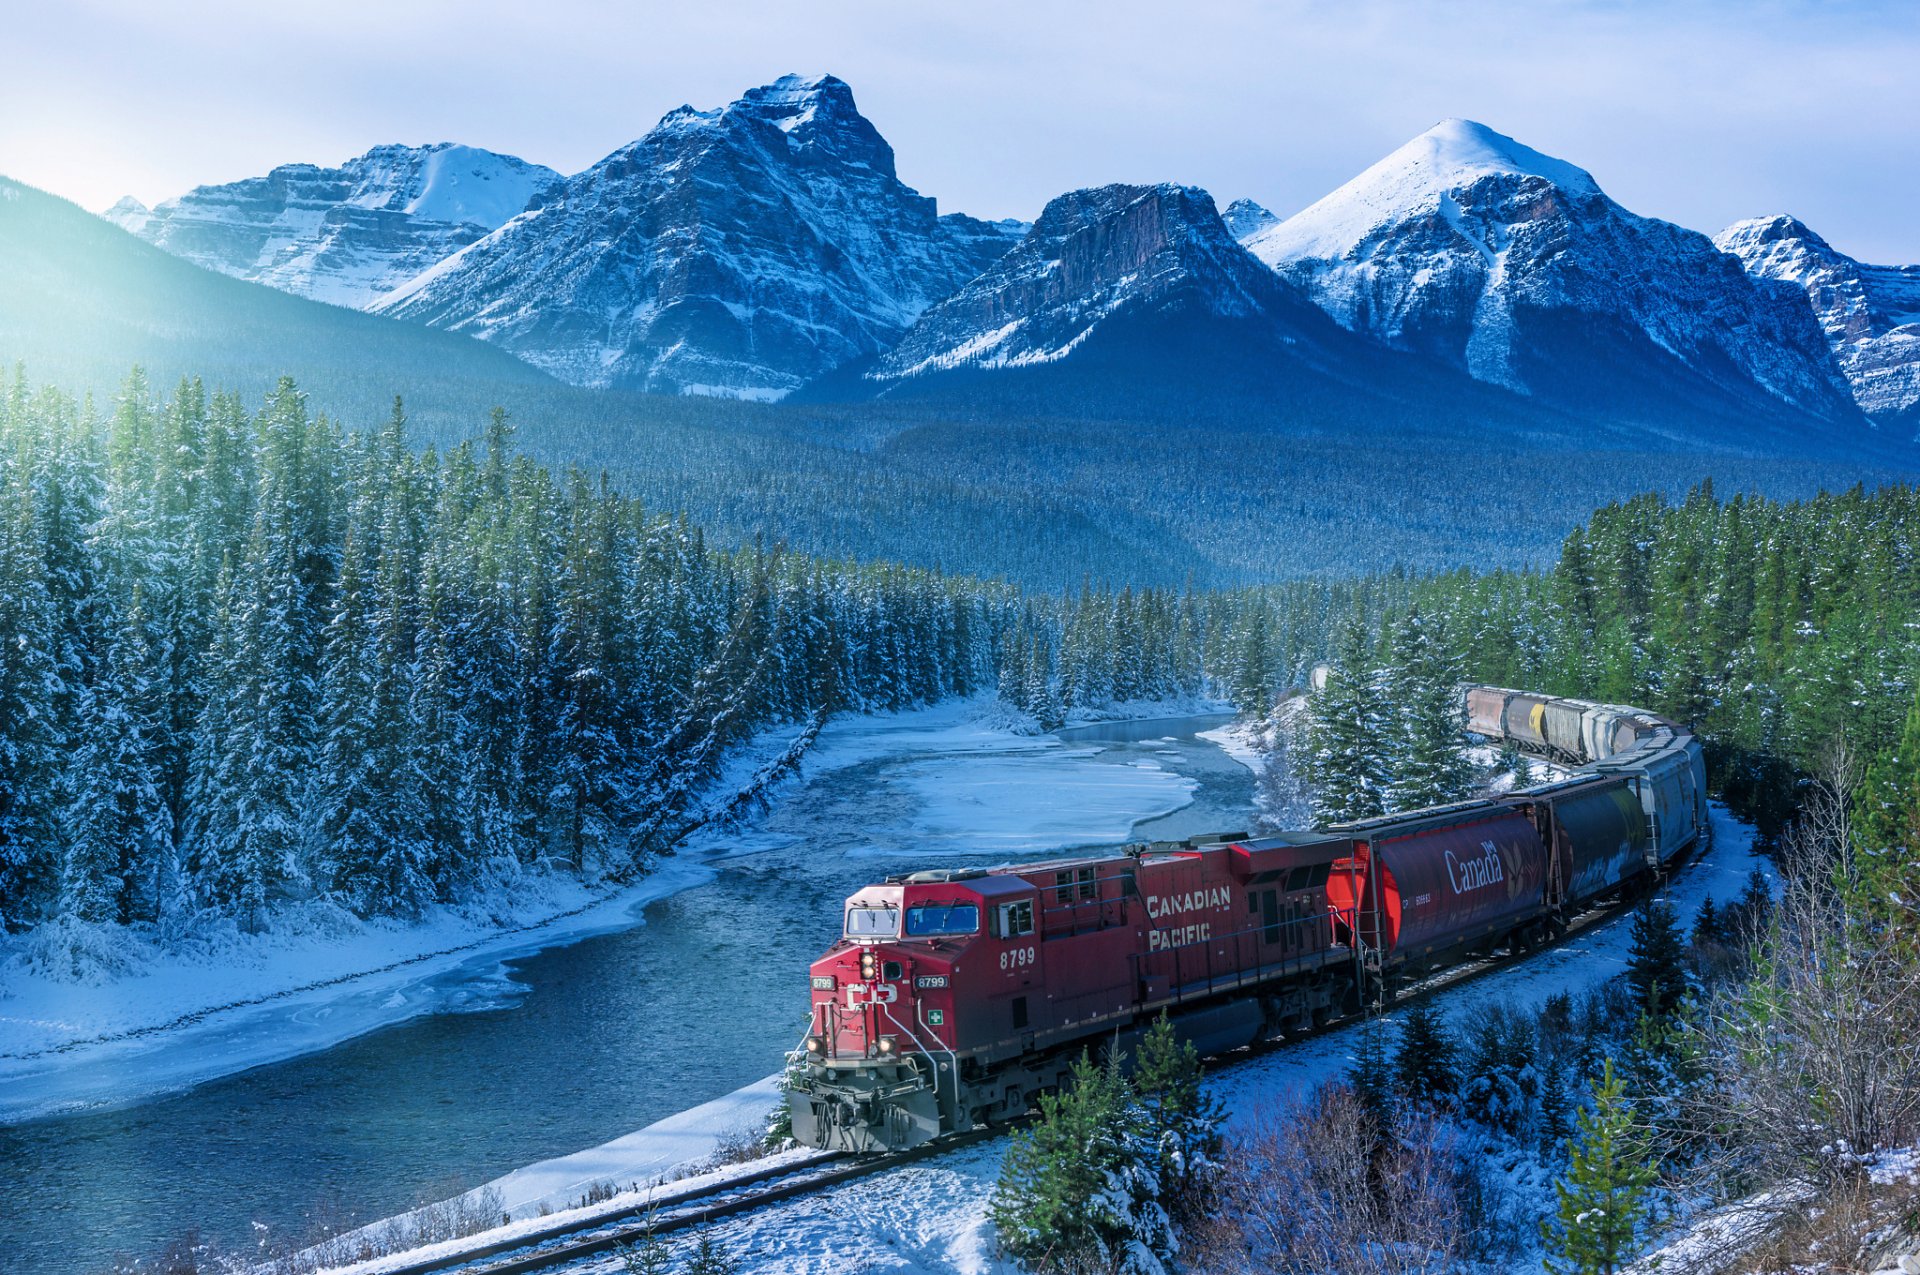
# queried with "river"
point(581, 1043)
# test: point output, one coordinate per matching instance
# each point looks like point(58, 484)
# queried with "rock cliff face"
point(1093, 258)
point(1870, 314)
point(345, 235)
point(739, 252)
point(1468, 247)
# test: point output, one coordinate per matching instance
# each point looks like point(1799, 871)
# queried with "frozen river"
point(582, 1043)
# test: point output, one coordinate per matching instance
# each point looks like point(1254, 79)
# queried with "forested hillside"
point(254, 656)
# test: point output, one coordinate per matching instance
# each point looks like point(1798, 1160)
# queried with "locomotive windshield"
point(872, 923)
point(961, 918)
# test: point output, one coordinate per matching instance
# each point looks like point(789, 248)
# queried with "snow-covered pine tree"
point(1500, 1074)
point(1370, 1077)
point(251, 844)
point(117, 863)
point(1426, 753)
point(1346, 758)
point(709, 1258)
point(32, 741)
point(1079, 1189)
point(1181, 1122)
point(1423, 1061)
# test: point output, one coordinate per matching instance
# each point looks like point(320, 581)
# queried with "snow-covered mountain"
point(737, 252)
point(1095, 257)
point(345, 235)
point(1871, 314)
point(1469, 247)
point(1245, 218)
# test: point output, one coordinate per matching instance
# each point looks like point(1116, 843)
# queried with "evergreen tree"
point(709, 1258)
point(1886, 828)
point(650, 1256)
point(1179, 1120)
point(1426, 752)
point(1078, 1190)
point(1347, 755)
point(118, 851)
point(1603, 1201)
point(31, 738)
point(1656, 958)
point(1423, 1063)
point(1370, 1075)
point(1706, 925)
point(1502, 1075)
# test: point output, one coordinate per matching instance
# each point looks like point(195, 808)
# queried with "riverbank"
point(168, 1018)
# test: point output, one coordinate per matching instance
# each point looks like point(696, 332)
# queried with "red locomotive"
point(956, 996)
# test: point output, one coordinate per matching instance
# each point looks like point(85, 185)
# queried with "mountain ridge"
point(1870, 314)
point(1475, 249)
point(736, 252)
point(344, 235)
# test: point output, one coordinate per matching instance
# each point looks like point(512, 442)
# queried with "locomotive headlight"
point(868, 964)
point(887, 1045)
point(816, 1044)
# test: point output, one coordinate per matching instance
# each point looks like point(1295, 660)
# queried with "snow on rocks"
point(1871, 314)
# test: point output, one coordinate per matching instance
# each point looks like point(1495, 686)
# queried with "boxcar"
point(1486, 710)
point(1440, 880)
point(1595, 830)
point(1524, 720)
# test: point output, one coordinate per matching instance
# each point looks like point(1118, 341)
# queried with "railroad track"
point(606, 1233)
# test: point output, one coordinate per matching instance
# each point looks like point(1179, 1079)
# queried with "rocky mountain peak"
point(740, 251)
point(1514, 266)
point(1245, 218)
point(1870, 314)
point(347, 235)
point(816, 113)
point(129, 214)
point(1093, 256)
point(1743, 236)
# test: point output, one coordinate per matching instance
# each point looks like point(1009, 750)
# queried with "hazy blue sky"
point(1698, 112)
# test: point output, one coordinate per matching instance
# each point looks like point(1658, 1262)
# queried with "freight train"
point(955, 996)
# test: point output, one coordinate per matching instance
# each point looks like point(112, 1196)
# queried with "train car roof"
point(1555, 787)
point(1432, 816)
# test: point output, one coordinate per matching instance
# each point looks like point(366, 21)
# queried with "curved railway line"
point(567, 1243)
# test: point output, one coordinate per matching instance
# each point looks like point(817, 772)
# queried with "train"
point(955, 996)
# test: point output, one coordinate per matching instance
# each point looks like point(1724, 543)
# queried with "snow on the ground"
point(186, 1018)
point(654, 1153)
point(179, 1018)
point(930, 1218)
point(648, 1167)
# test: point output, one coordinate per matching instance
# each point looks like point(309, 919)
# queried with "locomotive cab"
point(880, 1055)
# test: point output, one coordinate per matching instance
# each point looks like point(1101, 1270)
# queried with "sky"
point(1698, 111)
